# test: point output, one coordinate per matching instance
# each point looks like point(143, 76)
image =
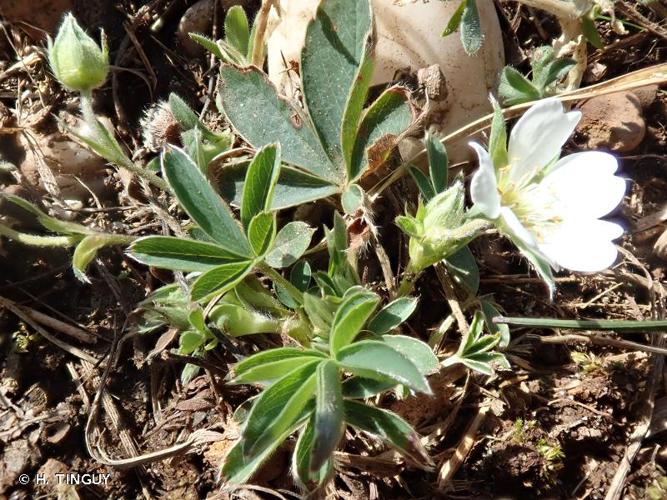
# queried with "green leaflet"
point(336, 39)
point(219, 279)
point(329, 414)
point(261, 117)
point(237, 30)
point(262, 232)
point(350, 318)
point(260, 182)
point(438, 163)
point(301, 463)
point(373, 359)
point(290, 244)
point(419, 353)
point(392, 315)
point(382, 124)
point(179, 254)
point(387, 426)
point(202, 203)
point(278, 407)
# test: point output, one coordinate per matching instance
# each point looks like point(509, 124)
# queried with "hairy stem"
point(35, 240)
point(103, 143)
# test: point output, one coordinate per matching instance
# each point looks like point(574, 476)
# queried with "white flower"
point(551, 207)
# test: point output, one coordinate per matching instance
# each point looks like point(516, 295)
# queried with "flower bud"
point(439, 229)
point(76, 59)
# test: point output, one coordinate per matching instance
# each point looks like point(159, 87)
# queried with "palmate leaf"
point(198, 198)
point(329, 145)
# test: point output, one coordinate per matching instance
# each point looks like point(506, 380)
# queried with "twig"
point(452, 465)
point(452, 300)
point(257, 57)
point(385, 263)
point(37, 240)
point(21, 313)
point(65, 328)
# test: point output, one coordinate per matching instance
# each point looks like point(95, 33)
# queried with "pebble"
point(197, 19)
point(613, 121)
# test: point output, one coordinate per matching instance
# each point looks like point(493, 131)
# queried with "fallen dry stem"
point(25, 317)
point(452, 465)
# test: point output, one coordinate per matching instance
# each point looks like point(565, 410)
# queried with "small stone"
point(197, 19)
point(612, 121)
point(646, 95)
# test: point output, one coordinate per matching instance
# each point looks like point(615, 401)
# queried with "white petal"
point(583, 245)
point(584, 184)
point(538, 137)
point(484, 187)
point(513, 227)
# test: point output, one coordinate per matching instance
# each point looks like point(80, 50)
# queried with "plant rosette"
point(544, 204)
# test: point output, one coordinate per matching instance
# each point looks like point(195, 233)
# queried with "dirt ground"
point(81, 392)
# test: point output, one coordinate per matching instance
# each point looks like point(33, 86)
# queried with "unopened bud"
point(77, 61)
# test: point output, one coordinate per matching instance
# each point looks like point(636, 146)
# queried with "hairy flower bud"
point(77, 61)
point(439, 228)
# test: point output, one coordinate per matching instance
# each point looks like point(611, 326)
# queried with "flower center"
point(536, 206)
